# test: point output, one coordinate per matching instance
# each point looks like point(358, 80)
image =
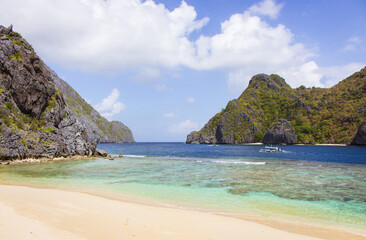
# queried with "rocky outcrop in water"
point(234, 128)
point(280, 132)
point(270, 111)
point(35, 119)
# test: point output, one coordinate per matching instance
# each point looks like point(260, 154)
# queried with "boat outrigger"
point(271, 149)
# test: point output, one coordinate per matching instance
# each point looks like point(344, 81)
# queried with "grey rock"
point(28, 81)
point(98, 128)
point(2, 30)
point(36, 121)
point(274, 83)
point(280, 132)
point(235, 128)
point(100, 153)
point(361, 109)
point(9, 29)
point(360, 138)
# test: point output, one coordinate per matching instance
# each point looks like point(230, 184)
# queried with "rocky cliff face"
point(98, 128)
point(360, 138)
point(270, 111)
point(280, 133)
point(35, 119)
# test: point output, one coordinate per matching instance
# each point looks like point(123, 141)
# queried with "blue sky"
point(165, 67)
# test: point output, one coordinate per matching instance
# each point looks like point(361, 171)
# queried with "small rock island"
point(271, 112)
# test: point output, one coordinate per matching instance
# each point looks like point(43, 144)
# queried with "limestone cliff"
point(270, 111)
point(360, 138)
point(35, 119)
point(281, 132)
point(98, 128)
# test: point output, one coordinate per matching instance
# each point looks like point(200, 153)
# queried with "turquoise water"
point(328, 192)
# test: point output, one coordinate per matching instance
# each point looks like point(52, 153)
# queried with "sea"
point(318, 184)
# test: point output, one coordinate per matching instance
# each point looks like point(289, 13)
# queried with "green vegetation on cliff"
point(35, 121)
point(98, 128)
point(317, 115)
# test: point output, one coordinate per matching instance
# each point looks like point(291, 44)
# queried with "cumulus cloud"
point(247, 45)
point(183, 127)
point(105, 36)
point(190, 100)
point(110, 105)
point(144, 37)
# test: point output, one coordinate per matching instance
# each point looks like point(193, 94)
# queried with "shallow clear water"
point(231, 178)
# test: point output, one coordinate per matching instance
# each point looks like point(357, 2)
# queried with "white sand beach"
point(34, 213)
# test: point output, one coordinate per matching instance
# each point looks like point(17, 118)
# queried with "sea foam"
point(134, 156)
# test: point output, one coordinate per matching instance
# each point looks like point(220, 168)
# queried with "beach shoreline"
point(113, 156)
point(56, 159)
point(48, 159)
point(49, 208)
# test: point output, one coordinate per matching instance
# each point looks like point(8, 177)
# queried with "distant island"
point(271, 112)
point(41, 116)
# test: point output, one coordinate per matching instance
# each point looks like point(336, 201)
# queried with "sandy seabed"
point(37, 213)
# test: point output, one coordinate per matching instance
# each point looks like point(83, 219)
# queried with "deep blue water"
point(335, 154)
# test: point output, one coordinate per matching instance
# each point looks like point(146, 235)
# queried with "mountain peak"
point(38, 115)
point(272, 81)
point(270, 107)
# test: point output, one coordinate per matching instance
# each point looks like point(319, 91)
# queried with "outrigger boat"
point(271, 149)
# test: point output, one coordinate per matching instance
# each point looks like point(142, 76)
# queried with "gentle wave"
point(201, 160)
point(134, 156)
point(212, 160)
point(239, 162)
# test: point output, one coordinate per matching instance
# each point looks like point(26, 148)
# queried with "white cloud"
point(190, 100)
point(183, 127)
point(147, 75)
point(238, 80)
point(352, 44)
point(247, 45)
point(145, 37)
point(105, 36)
point(110, 105)
point(308, 74)
point(332, 75)
point(266, 8)
point(169, 115)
